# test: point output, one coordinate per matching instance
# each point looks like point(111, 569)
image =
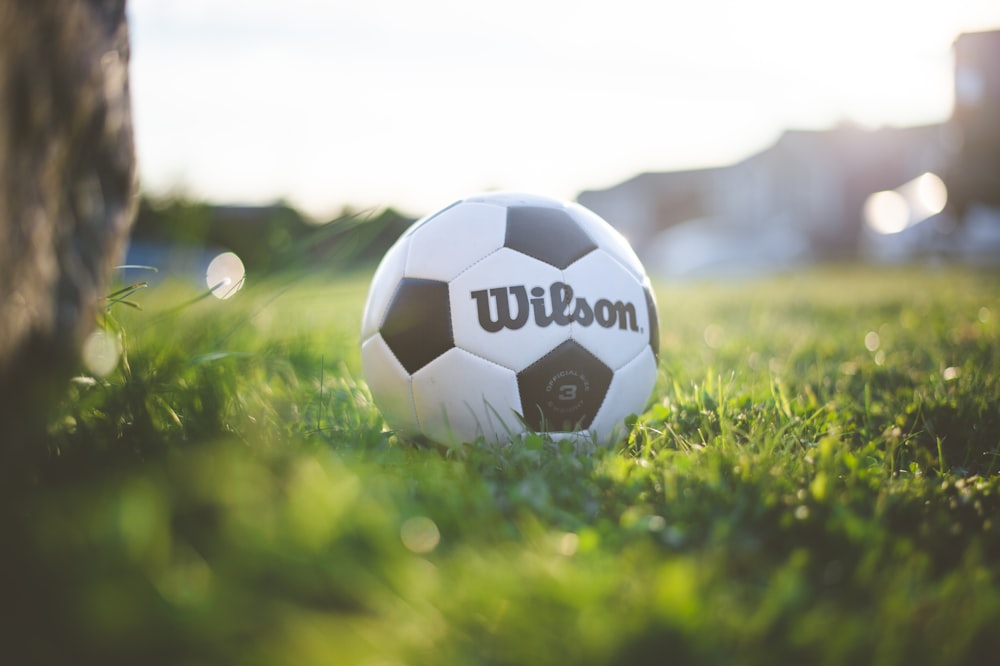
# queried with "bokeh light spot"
point(931, 194)
point(568, 544)
point(713, 336)
point(225, 275)
point(101, 351)
point(893, 211)
point(420, 534)
point(887, 212)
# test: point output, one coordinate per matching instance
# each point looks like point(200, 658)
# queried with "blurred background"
point(723, 138)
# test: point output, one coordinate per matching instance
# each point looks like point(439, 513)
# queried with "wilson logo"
point(559, 308)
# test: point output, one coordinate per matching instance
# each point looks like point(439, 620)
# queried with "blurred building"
point(805, 198)
point(799, 200)
point(968, 229)
point(974, 174)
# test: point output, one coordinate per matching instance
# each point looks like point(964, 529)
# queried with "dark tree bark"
point(67, 181)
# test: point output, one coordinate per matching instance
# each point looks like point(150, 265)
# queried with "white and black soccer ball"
point(506, 313)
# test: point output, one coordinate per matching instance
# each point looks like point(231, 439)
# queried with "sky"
point(327, 104)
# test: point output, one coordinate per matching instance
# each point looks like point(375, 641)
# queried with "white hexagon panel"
point(630, 388)
point(610, 313)
point(389, 382)
point(499, 309)
point(476, 229)
point(459, 397)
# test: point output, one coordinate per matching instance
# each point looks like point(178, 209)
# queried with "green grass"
point(815, 482)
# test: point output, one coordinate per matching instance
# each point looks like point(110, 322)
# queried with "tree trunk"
point(67, 180)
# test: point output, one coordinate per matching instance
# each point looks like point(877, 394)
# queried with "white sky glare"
point(370, 103)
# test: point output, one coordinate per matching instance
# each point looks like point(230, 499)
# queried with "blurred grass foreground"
point(815, 481)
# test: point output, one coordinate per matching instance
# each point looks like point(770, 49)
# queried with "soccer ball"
point(508, 313)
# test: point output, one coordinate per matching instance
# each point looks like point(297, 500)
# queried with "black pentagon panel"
point(547, 234)
point(417, 325)
point(654, 322)
point(562, 391)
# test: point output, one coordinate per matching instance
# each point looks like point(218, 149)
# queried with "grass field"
point(815, 482)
